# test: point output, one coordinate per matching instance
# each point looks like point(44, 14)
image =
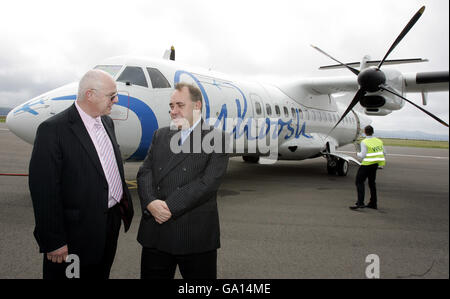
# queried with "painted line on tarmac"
point(401, 155)
point(131, 184)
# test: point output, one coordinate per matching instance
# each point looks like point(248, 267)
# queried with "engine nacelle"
point(381, 102)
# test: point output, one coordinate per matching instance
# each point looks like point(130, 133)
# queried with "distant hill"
point(417, 135)
point(4, 110)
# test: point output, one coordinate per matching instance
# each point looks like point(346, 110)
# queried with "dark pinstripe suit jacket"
point(188, 183)
point(69, 189)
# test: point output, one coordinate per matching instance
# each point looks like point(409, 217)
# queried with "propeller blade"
point(358, 96)
point(405, 31)
point(423, 110)
point(353, 70)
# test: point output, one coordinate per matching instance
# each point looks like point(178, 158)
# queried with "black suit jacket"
point(188, 183)
point(69, 189)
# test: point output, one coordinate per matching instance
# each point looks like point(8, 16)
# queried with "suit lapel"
point(82, 134)
point(176, 159)
point(173, 159)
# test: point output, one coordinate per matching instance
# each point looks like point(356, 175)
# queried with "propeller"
point(418, 107)
point(373, 79)
point(353, 70)
point(405, 31)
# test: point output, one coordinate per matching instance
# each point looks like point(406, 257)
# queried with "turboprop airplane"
point(303, 118)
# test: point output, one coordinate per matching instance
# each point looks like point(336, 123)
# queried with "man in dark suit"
point(178, 191)
point(77, 183)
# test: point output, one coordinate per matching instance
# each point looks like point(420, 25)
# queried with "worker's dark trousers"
point(364, 172)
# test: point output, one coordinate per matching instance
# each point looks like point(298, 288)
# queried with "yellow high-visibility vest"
point(375, 152)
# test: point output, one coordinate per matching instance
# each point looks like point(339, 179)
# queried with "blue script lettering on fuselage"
point(242, 126)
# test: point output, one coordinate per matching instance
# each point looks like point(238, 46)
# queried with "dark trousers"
point(98, 271)
point(156, 264)
point(367, 172)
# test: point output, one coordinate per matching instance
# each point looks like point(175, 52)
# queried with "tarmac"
point(286, 220)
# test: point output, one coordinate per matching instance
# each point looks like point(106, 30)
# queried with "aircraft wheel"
point(250, 159)
point(331, 166)
point(331, 169)
point(342, 167)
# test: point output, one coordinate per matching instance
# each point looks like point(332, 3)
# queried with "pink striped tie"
point(109, 162)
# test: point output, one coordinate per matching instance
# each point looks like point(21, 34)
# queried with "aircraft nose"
point(24, 119)
point(17, 124)
point(10, 124)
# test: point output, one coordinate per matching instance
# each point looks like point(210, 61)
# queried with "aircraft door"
point(133, 119)
point(259, 114)
point(358, 126)
point(262, 112)
point(120, 112)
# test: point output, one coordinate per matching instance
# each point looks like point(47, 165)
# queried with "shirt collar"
point(188, 131)
point(185, 133)
point(88, 120)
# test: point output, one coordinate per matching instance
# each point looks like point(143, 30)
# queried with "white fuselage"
point(248, 111)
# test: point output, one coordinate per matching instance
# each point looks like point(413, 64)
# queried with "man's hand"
point(159, 210)
point(59, 255)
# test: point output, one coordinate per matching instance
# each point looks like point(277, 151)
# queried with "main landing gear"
point(337, 166)
point(251, 159)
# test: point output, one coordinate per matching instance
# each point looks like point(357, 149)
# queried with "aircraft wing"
point(426, 81)
point(412, 82)
point(321, 85)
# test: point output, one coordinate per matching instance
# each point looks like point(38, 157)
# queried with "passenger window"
point(158, 79)
point(134, 75)
point(301, 113)
point(319, 116)
point(258, 108)
point(277, 110)
point(293, 112)
point(268, 109)
point(306, 115)
point(286, 111)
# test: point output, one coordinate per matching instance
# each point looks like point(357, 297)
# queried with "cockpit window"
point(158, 79)
point(110, 69)
point(134, 75)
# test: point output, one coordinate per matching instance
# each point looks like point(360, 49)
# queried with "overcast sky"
point(45, 44)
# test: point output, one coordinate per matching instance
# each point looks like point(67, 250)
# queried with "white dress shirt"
point(185, 133)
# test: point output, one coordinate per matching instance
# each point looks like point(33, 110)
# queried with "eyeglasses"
point(111, 97)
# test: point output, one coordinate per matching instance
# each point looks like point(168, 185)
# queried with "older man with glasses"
point(77, 184)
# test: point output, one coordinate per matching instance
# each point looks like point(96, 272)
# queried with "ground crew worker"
point(372, 155)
